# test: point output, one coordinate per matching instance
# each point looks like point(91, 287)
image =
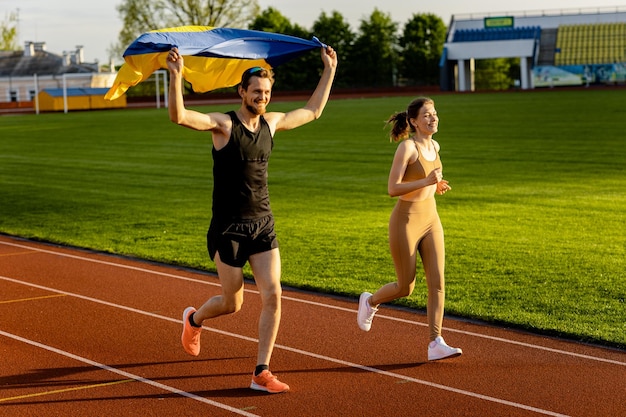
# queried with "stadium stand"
point(602, 43)
point(497, 34)
point(558, 47)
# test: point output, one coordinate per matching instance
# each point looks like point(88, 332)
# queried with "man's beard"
point(256, 111)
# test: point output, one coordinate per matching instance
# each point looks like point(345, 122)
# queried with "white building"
point(24, 73)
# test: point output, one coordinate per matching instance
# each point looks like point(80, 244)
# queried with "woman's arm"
point(406, 154)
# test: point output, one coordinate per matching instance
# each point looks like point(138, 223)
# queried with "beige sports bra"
point(421, 167)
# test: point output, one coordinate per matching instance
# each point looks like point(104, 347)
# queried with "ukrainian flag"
point(214, 57)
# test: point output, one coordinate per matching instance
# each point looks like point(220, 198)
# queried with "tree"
point(373, 60)
point(298, 73)
point(333, 30)
point(494, 74)
point(8, 41)
point(422, 45)
point(140, 16)
point(271, 20)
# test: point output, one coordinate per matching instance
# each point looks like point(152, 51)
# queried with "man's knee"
point(232, 304)
point(271, 296)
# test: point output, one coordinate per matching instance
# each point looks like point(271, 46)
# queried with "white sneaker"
point(366, 312)
point(438, 349)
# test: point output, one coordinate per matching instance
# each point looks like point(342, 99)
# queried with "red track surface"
point(85, 334)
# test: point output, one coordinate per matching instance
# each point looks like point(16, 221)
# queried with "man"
point(242, 226)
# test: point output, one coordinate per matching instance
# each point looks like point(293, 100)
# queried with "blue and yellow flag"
point(214, 57)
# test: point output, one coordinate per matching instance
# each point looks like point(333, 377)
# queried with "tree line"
point(379, 53)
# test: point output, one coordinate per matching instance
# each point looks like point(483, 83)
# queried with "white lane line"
point(353, 311)
point(127, 374)
point(298, 351)
point(468, 333)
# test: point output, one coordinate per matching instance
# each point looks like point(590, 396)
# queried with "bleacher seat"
point(496, 34)
point(600, 43)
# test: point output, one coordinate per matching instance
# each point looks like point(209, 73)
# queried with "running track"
point(87, 334)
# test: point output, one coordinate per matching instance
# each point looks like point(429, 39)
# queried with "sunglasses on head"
point(254, 70)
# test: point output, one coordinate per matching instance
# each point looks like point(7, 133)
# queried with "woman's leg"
point(403, 237)
point(432, 252)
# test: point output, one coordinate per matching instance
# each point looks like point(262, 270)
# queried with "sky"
point(95, 25)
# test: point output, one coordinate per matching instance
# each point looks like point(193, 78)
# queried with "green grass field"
point(534, 224)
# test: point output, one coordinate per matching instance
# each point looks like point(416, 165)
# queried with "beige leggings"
point(415, 227)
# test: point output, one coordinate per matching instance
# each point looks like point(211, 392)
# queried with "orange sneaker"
point(267, 382)
point(191, 335)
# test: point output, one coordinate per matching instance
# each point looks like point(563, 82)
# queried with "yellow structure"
point(51, 99)
point(601, 43)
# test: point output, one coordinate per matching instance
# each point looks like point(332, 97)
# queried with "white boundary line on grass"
point(378, 316)
point(250, 339)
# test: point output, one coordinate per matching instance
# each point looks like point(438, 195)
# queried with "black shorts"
point(236, 242)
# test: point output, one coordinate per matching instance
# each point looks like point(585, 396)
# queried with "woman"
point(414, 226)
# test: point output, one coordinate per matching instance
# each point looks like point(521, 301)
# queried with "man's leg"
point(231, 298)
point(266, 270)
point(229, 301)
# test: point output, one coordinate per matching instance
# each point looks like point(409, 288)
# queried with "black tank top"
point(240, 173)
